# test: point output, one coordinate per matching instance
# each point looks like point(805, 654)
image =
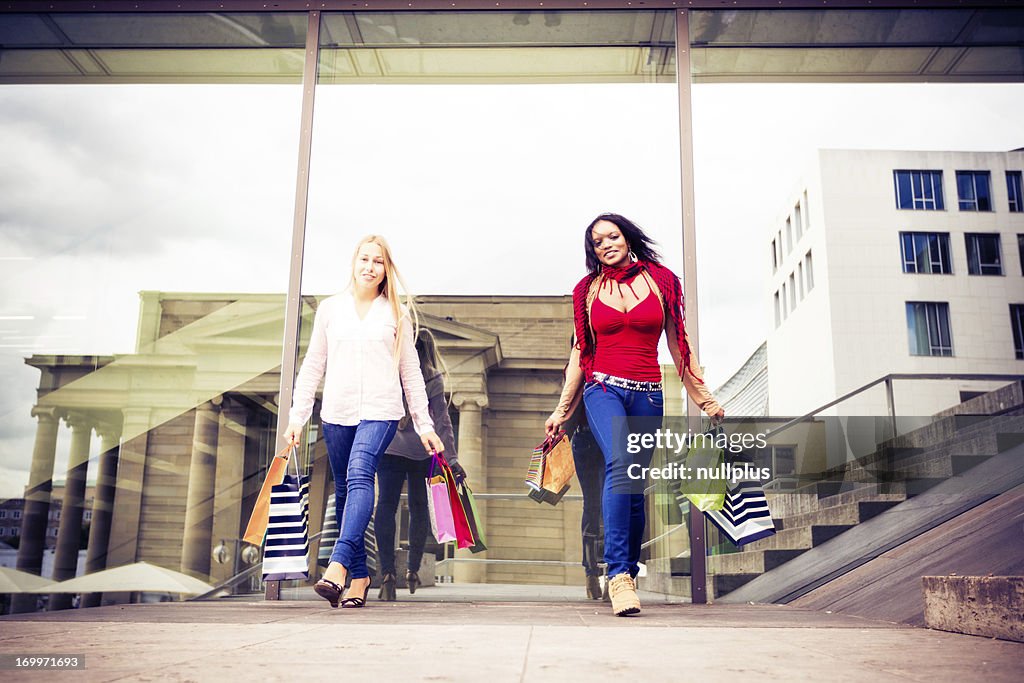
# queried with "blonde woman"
point(363, 347)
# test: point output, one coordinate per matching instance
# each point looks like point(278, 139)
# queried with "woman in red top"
point(620, 309)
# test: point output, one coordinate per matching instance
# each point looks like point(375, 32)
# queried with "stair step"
point(916, 487)
point(886, 491)
point(961, 463)
point(750, 561)
point(850, 513)
point(799, 538)
point(727, 583)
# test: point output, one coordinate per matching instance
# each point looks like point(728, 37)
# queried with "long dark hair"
point(637, 240)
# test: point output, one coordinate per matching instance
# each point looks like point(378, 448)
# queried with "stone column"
point(196, 544)
point(69, 533)
point(122, 548)
point(102, 510)
point(37, 504)
point(471, 457)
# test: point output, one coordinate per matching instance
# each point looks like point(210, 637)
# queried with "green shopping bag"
point(705, 462)
point(476, 522)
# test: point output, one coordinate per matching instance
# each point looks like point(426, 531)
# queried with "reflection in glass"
point(141, 367)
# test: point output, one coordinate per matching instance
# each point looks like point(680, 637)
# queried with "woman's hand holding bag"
point(431, 442)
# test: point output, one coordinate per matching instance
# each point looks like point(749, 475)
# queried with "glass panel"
point(904, 194)
point(1014, 191)
point(1017, 325)
point(97, 47)
point(982, 187)
point(483, 185)
point(141, 367)
point(492, 47)
point(855, 45)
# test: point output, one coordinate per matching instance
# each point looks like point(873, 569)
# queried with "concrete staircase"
point(957, 440)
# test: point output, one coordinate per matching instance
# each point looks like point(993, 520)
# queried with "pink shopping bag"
point(442, 522)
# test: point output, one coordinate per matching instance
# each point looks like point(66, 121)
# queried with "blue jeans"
point(354, 453)
point(614, 413)
point(392, 473)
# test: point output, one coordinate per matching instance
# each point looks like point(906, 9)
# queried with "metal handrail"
point(888, 380)
point(238, 578)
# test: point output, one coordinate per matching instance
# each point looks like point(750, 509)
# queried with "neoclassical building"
point(187, 426)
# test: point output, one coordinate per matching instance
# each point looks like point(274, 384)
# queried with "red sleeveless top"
point(627, 343)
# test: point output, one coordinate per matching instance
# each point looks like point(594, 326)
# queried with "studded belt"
point(623, 383)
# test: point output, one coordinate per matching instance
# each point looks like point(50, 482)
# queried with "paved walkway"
point(449, 633)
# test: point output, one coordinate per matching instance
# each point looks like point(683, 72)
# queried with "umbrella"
point(13, 581)
point(138, 577)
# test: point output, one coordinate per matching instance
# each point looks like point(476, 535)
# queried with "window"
point(925, 252)
point(807, 213)
point(1020, 249)
point(87, 516)
point(15, 514)
point(789, 235)
point(809, 265)
point(775, 258)
point(799, 221)
point(778, 240)
point(1014, 192)
point(1017, 324)
point(928, 327)
point(800, 278)
point(785, 312)
point(792, 291)
point(983, 254)
point(974, 190)
point(53, 531)
point(919, 190)
point(778, 311)
point(3, 514)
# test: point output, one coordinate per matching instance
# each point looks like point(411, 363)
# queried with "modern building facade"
point(896, 262)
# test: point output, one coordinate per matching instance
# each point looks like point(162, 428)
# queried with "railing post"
point(684, 84)
point(890, 402)
point(289, 352)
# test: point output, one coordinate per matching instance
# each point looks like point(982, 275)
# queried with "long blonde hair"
point(389, 288)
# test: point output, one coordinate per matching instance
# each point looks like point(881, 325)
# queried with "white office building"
point(896, 262)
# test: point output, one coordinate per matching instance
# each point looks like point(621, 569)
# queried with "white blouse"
point(356, 360)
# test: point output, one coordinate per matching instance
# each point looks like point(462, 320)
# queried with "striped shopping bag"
point(329, 537)
point(286, 549)
point(745, 517)
point(328, 534)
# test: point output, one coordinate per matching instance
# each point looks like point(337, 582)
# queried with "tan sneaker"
point(623, 593)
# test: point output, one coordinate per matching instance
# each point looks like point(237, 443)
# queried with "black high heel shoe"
point(328, 590)
point(356, 601)
point(593, 588)
point(412, 580)
point(387, 588)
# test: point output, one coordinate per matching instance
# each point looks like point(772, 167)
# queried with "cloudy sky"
point(106, 191)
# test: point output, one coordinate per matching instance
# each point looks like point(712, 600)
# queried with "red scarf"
point(671, 291)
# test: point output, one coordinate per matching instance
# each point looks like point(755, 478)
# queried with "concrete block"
point(991, 606)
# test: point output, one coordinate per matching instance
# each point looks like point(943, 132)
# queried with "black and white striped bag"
point(328, 534)
point(286, 549)
point(329, 537)
point(745, 517)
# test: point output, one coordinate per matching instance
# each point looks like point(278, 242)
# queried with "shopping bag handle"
point(552, 440)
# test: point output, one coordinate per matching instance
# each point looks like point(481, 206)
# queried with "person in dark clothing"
point(405, 460)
